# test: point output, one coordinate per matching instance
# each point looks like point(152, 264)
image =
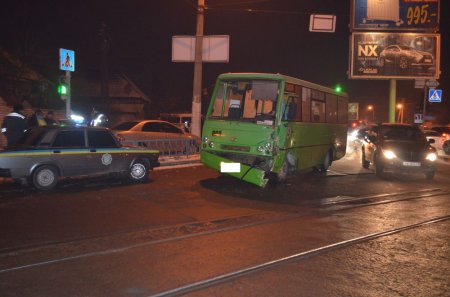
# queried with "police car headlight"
point(389, 154)
point(431, 157)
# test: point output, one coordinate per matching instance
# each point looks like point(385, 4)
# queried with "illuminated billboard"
point(394, 55)
point(399, 15)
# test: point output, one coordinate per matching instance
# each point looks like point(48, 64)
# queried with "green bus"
point(261, 126)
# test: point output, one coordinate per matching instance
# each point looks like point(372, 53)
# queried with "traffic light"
point(338, 88)
point(63, 89)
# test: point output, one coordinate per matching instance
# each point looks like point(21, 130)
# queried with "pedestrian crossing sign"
point(435, 95)
point(66, 60)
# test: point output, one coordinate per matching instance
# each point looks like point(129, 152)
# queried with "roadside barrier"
point(168, 146)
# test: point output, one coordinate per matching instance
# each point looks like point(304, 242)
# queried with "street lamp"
point(400, 113)
point(372, 109)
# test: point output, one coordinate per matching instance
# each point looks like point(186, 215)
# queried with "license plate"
point(417, 164)
point(230, 167)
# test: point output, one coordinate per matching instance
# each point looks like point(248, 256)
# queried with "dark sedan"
point(48, 153)
point(398, 148)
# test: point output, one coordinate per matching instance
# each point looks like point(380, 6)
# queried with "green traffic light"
point(338, 89)
point(62, 90)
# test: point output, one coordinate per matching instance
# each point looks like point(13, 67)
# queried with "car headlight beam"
point(431, 157)
point(389, 154)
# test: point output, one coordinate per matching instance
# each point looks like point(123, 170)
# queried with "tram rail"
point(100, 245)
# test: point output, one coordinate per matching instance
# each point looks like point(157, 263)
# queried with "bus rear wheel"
point(326, 162)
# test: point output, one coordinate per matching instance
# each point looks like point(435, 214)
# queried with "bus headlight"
point(205, 139)
point(265, 148)
point(211, 144)
point(389, 154)
point(431, 157)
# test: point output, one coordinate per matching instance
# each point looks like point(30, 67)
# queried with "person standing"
point(14, 124)
point(37, 119)
point(50, 119)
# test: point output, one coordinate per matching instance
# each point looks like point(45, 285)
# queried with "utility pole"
point(392, 99)
point(197, 87)
point(68, 96)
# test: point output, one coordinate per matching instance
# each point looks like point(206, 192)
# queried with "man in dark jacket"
point(14, 124)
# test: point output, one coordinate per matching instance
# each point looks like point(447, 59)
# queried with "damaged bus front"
point(251, 130)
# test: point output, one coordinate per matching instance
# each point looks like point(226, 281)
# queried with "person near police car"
point(37, 119)
point(14, 124)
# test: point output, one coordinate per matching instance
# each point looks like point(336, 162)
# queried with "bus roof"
point(278, 76)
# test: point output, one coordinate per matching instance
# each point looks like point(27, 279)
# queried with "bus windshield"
point(246, 100)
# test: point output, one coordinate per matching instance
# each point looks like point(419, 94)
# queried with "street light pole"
point(197, 86)
point(371, 108)
point(400, 113)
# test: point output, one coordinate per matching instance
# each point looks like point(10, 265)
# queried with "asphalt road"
point(191, 231)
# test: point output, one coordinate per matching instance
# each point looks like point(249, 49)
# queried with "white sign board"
point(215, 48)
point(419, 83)
point(432, 83)
point(322, 23)
point(418, 118)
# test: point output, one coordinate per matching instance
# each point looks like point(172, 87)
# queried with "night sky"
point(274, 39)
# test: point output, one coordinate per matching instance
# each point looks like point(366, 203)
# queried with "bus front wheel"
point(281, 176)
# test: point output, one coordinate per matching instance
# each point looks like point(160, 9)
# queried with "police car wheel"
point(138, 171)
point(45, 177)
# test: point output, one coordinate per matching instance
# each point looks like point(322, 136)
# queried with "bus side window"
point(290, 109)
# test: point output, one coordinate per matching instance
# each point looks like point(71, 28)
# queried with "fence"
point(168, 146)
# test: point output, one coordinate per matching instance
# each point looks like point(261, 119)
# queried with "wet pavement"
point(189, 224)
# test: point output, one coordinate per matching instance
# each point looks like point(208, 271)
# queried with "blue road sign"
point(66, 60)
point(435, 95)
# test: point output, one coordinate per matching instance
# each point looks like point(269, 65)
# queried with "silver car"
point(46, 154)
point(157, 134)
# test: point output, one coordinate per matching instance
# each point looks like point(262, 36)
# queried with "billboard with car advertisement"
point(399, 15)
point(394, 56)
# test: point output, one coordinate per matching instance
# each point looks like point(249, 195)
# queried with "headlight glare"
point(389, 154)
point(431, 157)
